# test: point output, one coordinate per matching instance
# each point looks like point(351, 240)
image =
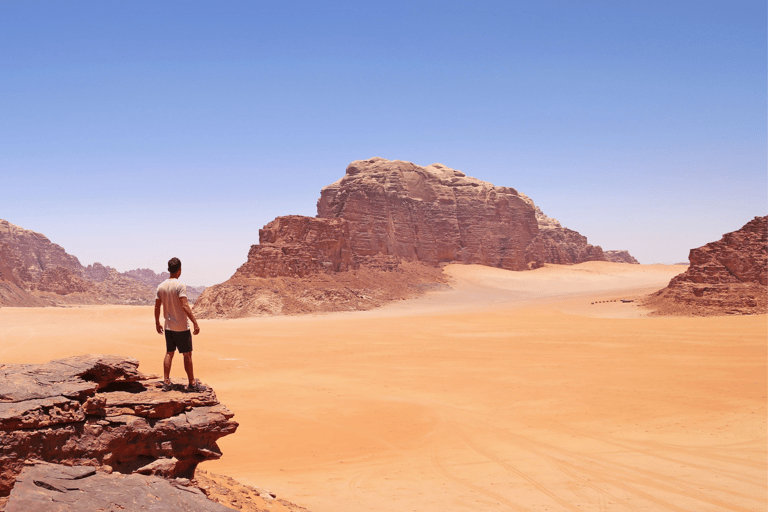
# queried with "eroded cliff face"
point(430, 214)
point(37, 272)
point(298, 246)
point(381, 233)
point(100, 411)
point(729, 276)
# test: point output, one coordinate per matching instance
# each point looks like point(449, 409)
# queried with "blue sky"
point(133, 131)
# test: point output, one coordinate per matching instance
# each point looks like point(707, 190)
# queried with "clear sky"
point(137, 130)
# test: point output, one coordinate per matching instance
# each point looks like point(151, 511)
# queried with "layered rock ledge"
point(100, 411)
point(45, 487)
point(729, 276)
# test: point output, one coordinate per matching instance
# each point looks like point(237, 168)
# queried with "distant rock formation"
point(435, 215)
point(381, 215)
point(100, 411)
point(729, 276)
point(147, 276)
point(621, 257)
point(37, 272)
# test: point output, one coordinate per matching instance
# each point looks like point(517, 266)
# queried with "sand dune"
point(510, 391)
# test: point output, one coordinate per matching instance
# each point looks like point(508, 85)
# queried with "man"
point(172, 294)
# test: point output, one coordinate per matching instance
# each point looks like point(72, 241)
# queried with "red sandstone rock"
point(44, 487)
point(379, 216)
point(620, 257)
point(100, 411)
point(430, 214)
point(36, 272)
point(560, 246)
point(298, 246)
point(729, 276)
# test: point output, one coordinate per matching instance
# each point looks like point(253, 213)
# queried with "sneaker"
point(197, 387)
point(167, 386)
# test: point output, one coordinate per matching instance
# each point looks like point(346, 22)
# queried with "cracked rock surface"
point(45, 487)
point(100, 411)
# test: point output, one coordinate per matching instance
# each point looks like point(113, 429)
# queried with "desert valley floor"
point(511, 391)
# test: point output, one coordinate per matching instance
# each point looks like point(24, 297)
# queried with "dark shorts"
point(178, 339)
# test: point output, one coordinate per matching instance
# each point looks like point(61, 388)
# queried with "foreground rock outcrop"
point(37, 272)
point(729, 276)
point(380, 234)
point(100, 411)
point(45, 487)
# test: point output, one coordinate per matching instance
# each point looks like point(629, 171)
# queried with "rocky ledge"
point(100, 411)
point(45, 487)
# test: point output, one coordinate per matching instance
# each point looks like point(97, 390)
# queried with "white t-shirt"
point(170, 293)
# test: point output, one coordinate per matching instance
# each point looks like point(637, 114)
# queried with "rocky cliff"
point(37, 272)
point(435, 214)
point(101, 413)
point(729, 276)
point(380, 234)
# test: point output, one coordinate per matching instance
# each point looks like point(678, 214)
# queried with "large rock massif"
point(36, 272)
point(101, 413)
point(381, 233)
point(729, 276)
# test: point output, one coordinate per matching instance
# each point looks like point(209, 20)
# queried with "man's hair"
point(174, 264)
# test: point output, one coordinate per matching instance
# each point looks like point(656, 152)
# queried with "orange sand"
point(510, 392)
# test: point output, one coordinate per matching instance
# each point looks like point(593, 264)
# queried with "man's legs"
point(167, 366)
point(188, 367)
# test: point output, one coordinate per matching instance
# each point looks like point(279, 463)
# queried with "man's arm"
point(157, 316)
point(190, 315)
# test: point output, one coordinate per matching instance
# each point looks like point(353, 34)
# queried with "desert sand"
point(512, 391)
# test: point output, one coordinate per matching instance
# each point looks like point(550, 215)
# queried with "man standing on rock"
point(172, 294)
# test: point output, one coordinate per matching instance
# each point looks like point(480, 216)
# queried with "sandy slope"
point(512, 391)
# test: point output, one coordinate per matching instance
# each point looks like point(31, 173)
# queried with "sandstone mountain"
point(37, 272)
point(729, 276)
point(381, 233)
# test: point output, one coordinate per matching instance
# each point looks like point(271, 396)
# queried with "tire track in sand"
point(540, 487)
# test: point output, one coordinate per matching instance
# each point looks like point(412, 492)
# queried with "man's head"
point(174, 265)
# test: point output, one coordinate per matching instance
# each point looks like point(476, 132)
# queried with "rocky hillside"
point(729, 276)
point(381, 233)
point(37, 272)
